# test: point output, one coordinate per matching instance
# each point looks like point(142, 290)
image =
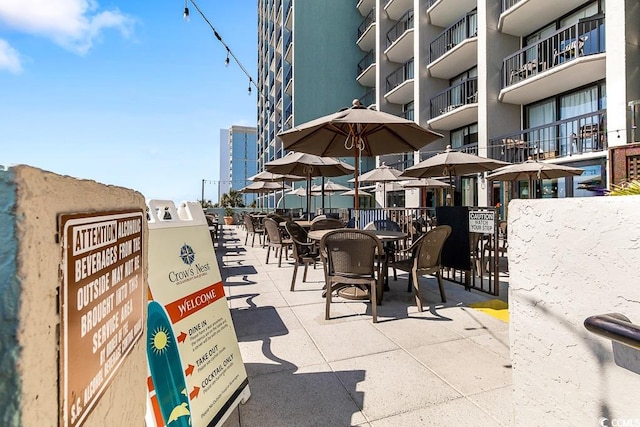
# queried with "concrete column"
point(30, 267)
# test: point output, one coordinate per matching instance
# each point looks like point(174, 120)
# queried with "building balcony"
point(369, 98)
point(396, 8)
point(455, 107)
point(582, 137)
point(455, 49)
point(365, 6)
point(522, 17)
point(399, 42)
point(367, 69)
point(570, 58)
point(367, 32)
point(288, 20)
point(288, 82)
point(443, 13)
point(400, 84)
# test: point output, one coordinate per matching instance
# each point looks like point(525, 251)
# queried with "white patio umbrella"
point(330, 188)
point(270, 176)
point(383, 174)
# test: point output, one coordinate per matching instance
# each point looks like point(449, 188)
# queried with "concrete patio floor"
point(449, 365)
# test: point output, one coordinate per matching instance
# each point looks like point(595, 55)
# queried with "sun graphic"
point(159, 340)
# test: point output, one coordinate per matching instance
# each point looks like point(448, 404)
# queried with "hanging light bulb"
point(226, 60)
point(185, 16)
point(249, 89)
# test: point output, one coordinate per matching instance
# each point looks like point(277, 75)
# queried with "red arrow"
point(182, 337)
point(189, 370)
point(194, 393)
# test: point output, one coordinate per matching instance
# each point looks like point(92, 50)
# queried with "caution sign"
point(482, 222)
point(197, 376)
point(102, 302)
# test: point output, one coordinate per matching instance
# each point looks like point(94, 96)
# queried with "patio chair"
point(304, 252)
point(276, 240)
point(252, 229)
point(425, 259)
point(350, 261)
point(390, 248)
point(326, 224)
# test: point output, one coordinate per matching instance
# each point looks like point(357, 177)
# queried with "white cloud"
point(73, 24)
point(9, 58)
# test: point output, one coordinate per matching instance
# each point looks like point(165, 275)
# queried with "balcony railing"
point(368, 20)
point(582, 39)
point(508, 4)
point(288, 110)
point(430, 3)
point(400, 75)
point(463, 29)
point(368, 98)
point(405, 23)
point(407, 114)
point(287, 76)
point(368, 59)
point(581, 134)
point(463, 93)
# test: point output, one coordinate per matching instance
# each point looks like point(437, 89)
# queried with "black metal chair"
point(253, 229)
point(304, 252)
point(275, 239)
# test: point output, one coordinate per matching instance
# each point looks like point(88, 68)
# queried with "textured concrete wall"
point(30, 202)
point(570, 259)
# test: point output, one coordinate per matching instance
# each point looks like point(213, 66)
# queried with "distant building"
point(239, 160)
point(306, 64)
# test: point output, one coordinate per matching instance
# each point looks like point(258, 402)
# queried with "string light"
point(226, 60)
point(230, 53)
point(185, 16)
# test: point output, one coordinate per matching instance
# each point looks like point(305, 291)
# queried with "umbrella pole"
point(283, 196)
point(322, 193)
point(309, 196)
point(356, 202)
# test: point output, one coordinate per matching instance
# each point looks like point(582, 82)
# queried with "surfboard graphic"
point(166, 368)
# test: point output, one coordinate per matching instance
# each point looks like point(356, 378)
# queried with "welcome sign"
point(196, 373)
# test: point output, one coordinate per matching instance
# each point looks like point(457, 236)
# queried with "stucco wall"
point(31, 200)
point(570, 259)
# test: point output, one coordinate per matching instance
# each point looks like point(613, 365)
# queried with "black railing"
point(463, 93)
point(465, 28)
point(507, 4)
point(405, 23)
point(287, 77)
point(582, 39)
point(368, 59)
point(430, 3)
point(400, 75)
point(407, 114)
point(288, 111)
point(368, 98)
point(616, 327)
point(289, 10)
point(580, 134)
point(366, 22)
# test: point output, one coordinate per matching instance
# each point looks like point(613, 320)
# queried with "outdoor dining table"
point(354, 292)
point(301, 222)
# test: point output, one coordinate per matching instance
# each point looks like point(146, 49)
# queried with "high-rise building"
point(239, 161)
point(306, 61)
point(507, 79)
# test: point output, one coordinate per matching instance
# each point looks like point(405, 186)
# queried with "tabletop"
point(383, 235)
point(301, 222)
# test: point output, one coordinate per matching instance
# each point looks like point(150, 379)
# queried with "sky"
point(125, 92)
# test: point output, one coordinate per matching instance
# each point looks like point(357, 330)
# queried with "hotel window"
point(464, 136)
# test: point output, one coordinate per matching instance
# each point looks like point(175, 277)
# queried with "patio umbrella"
point(330, 188)
point(532, 169)
point(308, 165)
point(383, 174)
point(270, 176)
point(300, 192)
point(264, 187)
point(361, 192)
point(356, 132)
point(428, 183)
point(452, 163)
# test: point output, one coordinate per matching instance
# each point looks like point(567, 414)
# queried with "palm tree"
point(232, 199)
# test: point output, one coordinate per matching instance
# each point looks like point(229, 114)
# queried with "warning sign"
point(482, 222)
point(101, 304)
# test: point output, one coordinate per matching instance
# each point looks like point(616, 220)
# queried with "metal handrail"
point(368, 20)
point(400, 75)
point(368, 59)
point(571, 42)
point(404, 24)
point(580, 134)
point(454, 35)
point(616, 327)
point(463, 93)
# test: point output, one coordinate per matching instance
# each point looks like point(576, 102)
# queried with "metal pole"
point(202, 198)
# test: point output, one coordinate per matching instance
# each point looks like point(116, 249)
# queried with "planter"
point(228, 220)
